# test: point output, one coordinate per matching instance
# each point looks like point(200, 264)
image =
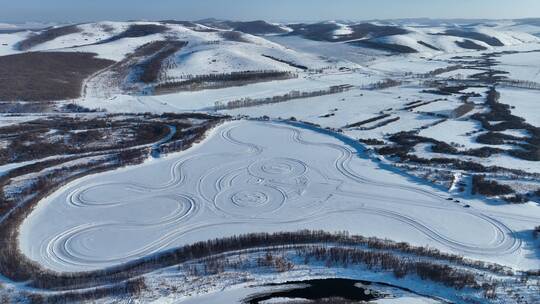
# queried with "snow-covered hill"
point(170, 53)
point(397, 38)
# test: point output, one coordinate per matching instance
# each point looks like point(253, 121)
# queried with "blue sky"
point(276, 10)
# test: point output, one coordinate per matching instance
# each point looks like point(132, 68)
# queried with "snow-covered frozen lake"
point(251, 176)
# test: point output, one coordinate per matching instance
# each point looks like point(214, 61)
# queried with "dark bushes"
point(489, 188)
point(250, 102)
point(387, 47)
point(316, 31)
point(257, 27)
point(223, 80)
point(470, 45)
point(462, 110)
point(233, 36)
point(428, 45)
point(385, 84)
point(476, 36)
point(325, 31)
point(371, 141)
point(363, 122)
point(500, 113)
point(47, 35)
point(152, 67)
point(400, 267)
point(138, 30)
point(494, 138)
point(536, 232)
point(294, 65)
point(363, 30)
point(67, 281)
point(43, 76)
point(31, 141)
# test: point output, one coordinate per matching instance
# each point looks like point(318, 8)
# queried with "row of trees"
point(383, 84)
point(523, 84)
point(283, 258)
point(440, 71)
point(152, 67)
point(194, 82)
point(294, 65)
point(251, 102)
point(489, 187)
point(366, 121)
point(60, 281)
point(130, 288)
point(400, 266)
point(529, 147)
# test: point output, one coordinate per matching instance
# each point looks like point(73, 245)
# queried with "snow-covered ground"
point(9, 41)
point(524, 103)
point(255, 176)
point(206, 99)
point(262, 176)
point(521, 66)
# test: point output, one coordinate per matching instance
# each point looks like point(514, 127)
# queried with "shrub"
point(489, 188)
point(43, 76)
point(536, 232)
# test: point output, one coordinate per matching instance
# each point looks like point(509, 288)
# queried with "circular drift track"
point(248, 177)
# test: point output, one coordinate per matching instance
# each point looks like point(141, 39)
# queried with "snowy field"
point(524, 103)
point(205, 100)
point(258, 177)
point(336, 162)
point(521, 66)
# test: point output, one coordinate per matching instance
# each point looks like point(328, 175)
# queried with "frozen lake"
point(250, 176)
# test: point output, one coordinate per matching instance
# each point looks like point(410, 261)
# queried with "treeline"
point(19, 108)
point(381, 123)
point(529, 147)
point(363, 122)
point(404, 142)
point(398, 265)
point(383, 84)
point(290, 63)
point(184, 139)
point(198, 82)
point(489, 187)
point(130, 288)
point(252, 102)
point(497, 138)
point(523, 84)
point(285, 258)
point(442, 88)
point(233, 36)
point(44, 279)
point(151, 67)
point(46, 76)
point(46, 35)
point(31, 140)
point(334, 249)
point(462, 110)
point(440, 71)
point(137, 30)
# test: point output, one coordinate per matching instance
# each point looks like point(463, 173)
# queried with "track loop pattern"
point(241, 182)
